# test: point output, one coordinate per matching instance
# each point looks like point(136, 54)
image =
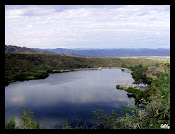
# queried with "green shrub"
point(11, 124)
point(139, 74)
point(25, 122)
point(66, 126)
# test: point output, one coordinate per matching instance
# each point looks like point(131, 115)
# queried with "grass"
point(162, 68)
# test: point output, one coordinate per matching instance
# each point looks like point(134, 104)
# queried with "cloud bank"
point(129, 26)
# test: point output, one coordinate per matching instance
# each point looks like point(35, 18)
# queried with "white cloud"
point(56, 26)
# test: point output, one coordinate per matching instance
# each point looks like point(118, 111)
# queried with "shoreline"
point(48, 73)
point(79, 69)
point(68, 70)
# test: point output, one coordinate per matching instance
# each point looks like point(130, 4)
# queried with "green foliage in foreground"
point(84, 126)
point(11, 124)
point(25, 122)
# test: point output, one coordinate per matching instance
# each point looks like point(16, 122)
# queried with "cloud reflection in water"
point(70, 94)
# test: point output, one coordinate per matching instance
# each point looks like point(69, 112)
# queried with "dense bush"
point(139, 74)
point(11, 124)
point(25, 76)
point(25, 123)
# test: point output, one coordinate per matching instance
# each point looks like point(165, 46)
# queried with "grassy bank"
point(20, 67)
point(136, 93)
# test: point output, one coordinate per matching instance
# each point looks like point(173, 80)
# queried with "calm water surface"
point(67, 96)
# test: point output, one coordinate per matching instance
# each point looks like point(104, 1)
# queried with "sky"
point(87, 26)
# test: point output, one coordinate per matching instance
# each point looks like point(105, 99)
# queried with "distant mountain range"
point(122, 52)
point(113, 52)
point(24, 50)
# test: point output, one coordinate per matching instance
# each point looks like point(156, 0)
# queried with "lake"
point(67, 96)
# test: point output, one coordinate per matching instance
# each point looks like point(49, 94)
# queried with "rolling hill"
point(113, 52)
point(24, 50)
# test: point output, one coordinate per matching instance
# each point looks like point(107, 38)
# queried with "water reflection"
point(70, 95)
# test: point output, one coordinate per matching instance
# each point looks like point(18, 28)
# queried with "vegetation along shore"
point(155, 98)
point(19, 67)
